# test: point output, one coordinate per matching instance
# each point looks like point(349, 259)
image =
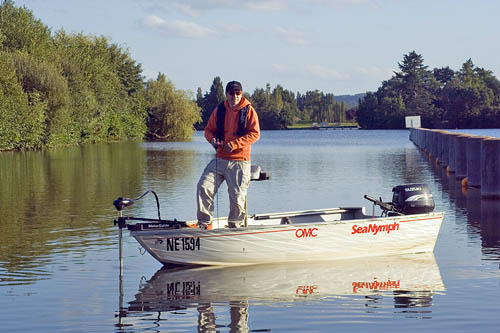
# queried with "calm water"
point(59, 260)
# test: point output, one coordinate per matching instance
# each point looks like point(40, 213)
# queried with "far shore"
point(317, 126)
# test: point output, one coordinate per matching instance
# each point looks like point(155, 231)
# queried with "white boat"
point(312, 235)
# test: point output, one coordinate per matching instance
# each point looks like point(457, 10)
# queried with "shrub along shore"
point(62, 89)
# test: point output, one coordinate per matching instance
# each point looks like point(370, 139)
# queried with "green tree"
point(418, 86)
point(105, 88)
point(69, 88)
point(313, 105)
point(128, 71)
point(340, 111)
point(171, 112)
point(367, 114)
point(23, 32)
point(465, 96)
point(491, 82)
point(290, 110)
point(410, 92)
point(45, 81)
point(261, 101)
point(393, 111)
point(443, 75)
point(21, 120)
point(210, 101)
point(330, 109)
point(275, 108)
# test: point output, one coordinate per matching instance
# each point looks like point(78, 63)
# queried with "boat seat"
point(256, 174)
point(286, 220)
point(302, 219)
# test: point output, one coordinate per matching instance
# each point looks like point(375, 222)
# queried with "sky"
point(335, 46)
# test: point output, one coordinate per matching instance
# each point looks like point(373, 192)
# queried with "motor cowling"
point(412, 199)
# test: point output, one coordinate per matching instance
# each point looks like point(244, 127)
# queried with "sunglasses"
point(234, 93)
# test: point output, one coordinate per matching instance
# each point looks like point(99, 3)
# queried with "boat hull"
point(311, 241)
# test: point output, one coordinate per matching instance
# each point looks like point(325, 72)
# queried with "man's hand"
point(214, 143)
point(228, 147)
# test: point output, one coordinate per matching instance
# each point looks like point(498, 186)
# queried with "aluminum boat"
point(406, 225)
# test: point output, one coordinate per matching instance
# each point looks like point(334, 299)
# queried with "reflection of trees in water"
point(169, 166)
point(402, 166)
point(173, 174)
point(50, 200)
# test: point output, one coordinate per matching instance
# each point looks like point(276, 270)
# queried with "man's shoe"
point(205, 225)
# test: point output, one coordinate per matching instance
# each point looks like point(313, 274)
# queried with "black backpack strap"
point(221, 116)
point(242, 121)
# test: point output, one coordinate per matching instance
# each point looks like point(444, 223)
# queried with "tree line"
point(278, 108)
point(60, 88)
point(444, 98)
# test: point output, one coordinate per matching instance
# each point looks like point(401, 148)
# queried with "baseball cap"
point(233, 86)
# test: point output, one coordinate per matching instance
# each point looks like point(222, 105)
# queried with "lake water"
point(59, 268)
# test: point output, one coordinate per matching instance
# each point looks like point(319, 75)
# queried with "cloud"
point(325, 73)
point(280, 68)
point(195, 8)
point(293, 37)
point(265, 5)
point(177, 28)
point(153, 21)
point(187, 9)
point(342, 3)
point(374, 71)
point(229, 30)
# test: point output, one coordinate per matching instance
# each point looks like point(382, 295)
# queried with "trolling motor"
point(143, 222)
point(407, 199)
point(121, 203)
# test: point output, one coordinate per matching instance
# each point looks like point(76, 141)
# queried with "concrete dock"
point(472, 158)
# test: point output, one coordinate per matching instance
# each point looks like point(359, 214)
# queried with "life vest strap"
point(221, 117)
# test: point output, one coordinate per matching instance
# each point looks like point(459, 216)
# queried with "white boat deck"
point(296, 217)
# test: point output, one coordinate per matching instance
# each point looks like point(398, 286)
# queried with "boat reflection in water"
point(411, 280)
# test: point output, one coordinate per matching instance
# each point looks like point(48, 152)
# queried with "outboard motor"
point(412, 199)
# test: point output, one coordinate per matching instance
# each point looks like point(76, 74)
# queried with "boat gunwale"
point(252, 229)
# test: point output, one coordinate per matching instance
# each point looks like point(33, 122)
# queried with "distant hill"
point(350, 100)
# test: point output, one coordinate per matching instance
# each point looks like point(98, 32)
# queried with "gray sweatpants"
point(237, 177)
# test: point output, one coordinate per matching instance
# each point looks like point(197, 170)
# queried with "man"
point(232, 128)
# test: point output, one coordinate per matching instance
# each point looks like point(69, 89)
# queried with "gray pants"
point(237, 177)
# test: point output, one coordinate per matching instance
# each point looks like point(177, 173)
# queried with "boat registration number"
point(183, 244)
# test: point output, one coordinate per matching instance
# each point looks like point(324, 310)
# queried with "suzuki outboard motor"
point(412, 199)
